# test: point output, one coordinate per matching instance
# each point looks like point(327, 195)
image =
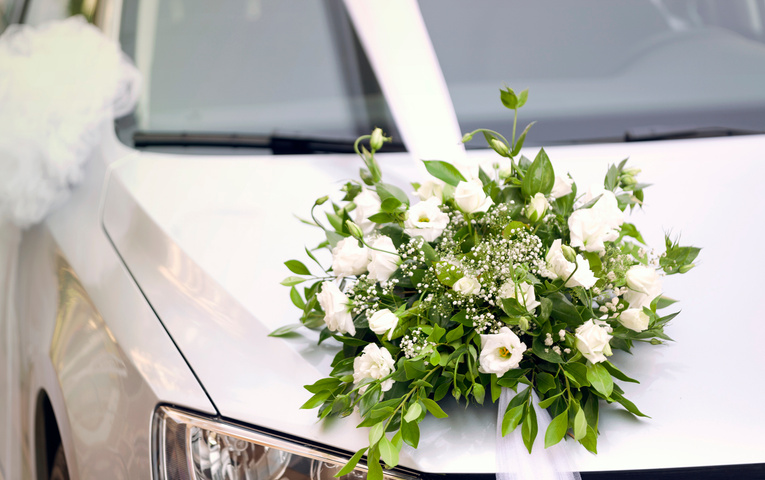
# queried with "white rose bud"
point(335, 305)
point(381, 263)
point(562, 186)
point(644, 284)
point(367, 204)
point(592, 341)
point(374, 362)
point(500, 352)
point(470, 197)
point(383, 321)
point(634, 319)
point(528, 296)
point(559, 267)
point(537, 207)
point(591, 227)
point(376, 142)
point(431, 189)
point(467, 286)
point(426, 219)
point(348, 258)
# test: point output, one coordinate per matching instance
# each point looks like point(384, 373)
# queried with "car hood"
point(205, 237)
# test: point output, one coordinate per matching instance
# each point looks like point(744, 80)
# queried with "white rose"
point(559, 267)
point(528, 296)
point(382, 264)
point(634, 319)
point(467, 285)
point(470, 197)
point(591, 227)
point(426, 219)
point(537, 207)
point(592, 341)
point(562, 186)
point(383, 321)
point(644, 284)
point(500, 352)
point(367, 204)
point(431, 189)
point(374, 362)
point(348, 258)
point(335, 306)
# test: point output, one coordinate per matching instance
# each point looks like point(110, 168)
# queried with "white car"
point(137, 345)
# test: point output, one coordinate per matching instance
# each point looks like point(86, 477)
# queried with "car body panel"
point(207, 231)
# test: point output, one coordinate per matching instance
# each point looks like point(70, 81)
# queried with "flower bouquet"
point(495, 279)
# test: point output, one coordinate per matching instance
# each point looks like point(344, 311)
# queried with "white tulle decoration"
point(59, 83)
point(514, 462)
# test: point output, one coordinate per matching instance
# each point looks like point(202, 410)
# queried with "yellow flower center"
point(424, 218)
point(504, 352)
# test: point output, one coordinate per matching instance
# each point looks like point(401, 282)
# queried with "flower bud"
point(523, 323)
point(320, 201)
point(568, 253)
point(628, 180)
point(499, 147)
point(376, 142)
point(631, 171)
point(537, 207)
point(467, 137)
point(686, 268)
point(354, 230)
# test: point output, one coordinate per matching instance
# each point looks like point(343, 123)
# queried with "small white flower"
point(426, 219)
point(634, 319)
point(562, 186)
point(592, 341)
point(335, 305)
point(559, 267)
point(528, 296)
point(348, 258)
point(591, 227)
point(500, 352)
point(381, 263)
point(367, 204)
point(470, 197)
point(383, 321)
point(537, 207)
point(431, 189)
point(467, 285)
point(644, 284)
point(374, 362)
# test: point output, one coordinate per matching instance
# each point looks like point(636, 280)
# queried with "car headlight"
point(189, 446)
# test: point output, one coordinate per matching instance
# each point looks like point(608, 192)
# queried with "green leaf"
point(600, 379)
point(444, 171)
point(316, 400)
point(386, 191)
point(382, 218)
point(664, 302)
point(564, 310)
point(375, 471)
point(521, 139)
point(545, 382)
point(529, 428)
point(479, 392)
point(455, 334)
point(376, 433)
point(413, 413)
point(578, 373)
point(509, 98)
point(557, 429)
point(329, 383)
point(348, 468)
point(580, 425)
point(388, 452)
point(616, 373)
point(390, 204)
point(612, 178)
point(522, 97)
point(540, 177)
point(550, 400)
point(630, 230)
point(511, 419)
point(297, 266)
point(285, 330)
point(433, 408)
point(290, 281)
point(628, 405)
point(590, 440)
point(297, 300)
point(410, 432)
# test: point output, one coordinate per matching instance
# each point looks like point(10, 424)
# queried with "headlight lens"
point(189, 446)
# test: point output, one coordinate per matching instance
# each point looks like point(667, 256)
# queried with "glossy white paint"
point(206, 238)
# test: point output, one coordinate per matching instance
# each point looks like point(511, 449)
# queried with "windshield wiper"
point(642, 134)
point(278, 144)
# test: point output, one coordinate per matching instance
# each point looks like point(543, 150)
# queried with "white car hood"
point(206, 237)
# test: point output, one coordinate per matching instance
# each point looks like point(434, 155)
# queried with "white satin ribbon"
point(514, 462)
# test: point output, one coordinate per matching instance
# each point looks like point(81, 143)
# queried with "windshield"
point(263, 67)
point(599, 70)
